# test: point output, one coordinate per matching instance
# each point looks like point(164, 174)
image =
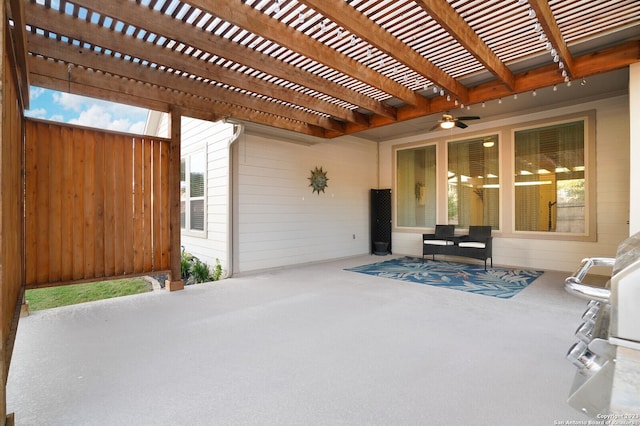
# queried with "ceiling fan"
point(448, 121)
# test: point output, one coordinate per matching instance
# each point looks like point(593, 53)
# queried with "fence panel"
point(95, 203)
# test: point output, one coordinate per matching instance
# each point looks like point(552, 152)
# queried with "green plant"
point(185, 264)
point(217, 271)
point(200, 271)
point(194, 271)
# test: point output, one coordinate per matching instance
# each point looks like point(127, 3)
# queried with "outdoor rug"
point(497, 282)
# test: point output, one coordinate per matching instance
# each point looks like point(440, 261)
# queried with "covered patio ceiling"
point(321, 68)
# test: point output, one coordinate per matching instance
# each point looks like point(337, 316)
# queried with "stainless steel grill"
point(607, 353)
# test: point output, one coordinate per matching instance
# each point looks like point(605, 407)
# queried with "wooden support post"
point(174, 282)
point(24, 308)
point(4, 286)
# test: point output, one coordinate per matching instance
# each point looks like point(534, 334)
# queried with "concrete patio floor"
point(310, 345)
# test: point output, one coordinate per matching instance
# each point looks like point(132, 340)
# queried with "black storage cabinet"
point(380, 221)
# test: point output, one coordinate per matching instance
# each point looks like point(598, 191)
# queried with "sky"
point(73, 109)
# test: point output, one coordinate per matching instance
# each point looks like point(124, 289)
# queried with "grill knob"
point(591, 314)
point(585, 331)
point(581, 357)
point(593, 303)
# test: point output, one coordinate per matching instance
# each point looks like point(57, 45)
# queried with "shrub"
point(185, 264)
point(200, 271)
point(195, 271)
point(217, 270)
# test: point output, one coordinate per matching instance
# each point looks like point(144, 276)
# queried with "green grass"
point(52, 297)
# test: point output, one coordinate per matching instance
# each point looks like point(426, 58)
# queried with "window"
point(473, 182)
point(416, 187)
point(550, 192)
point(192, 192)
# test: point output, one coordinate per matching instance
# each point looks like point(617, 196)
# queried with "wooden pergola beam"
point(152, 53)
point(76, 55)
point(445, 15)
point(56, 75)
point(153, 21)
point(238, 13)
point(591, 64)
point(357, 23)
point(550, 28)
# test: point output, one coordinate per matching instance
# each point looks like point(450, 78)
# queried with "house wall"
point(612, 191)
point(280, 221)
point(213, 139)
point(277, 221)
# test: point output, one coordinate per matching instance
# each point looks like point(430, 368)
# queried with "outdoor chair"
point(477, 244)
point(441, 242)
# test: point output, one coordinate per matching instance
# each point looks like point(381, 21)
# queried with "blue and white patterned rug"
point(498, 282)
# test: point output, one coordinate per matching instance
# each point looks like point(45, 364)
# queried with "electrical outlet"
point(354, 236)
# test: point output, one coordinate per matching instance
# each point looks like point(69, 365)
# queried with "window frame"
point(590, 223)
point(395, 191)
point(187, 198)
point(478, 136)
point(506, 156)
point(442, 147)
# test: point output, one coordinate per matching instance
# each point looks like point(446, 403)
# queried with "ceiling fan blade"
point(461, 124)
point(471, 117)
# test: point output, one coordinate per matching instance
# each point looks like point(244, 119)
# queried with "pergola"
point(319, 68)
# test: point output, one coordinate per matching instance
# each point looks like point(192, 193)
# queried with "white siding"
point(612, 193)
point(197, 134)
point(281, 222)
point(278, 221)
point(212, 138)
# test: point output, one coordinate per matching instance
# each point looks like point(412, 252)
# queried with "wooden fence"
point(11, 214)
point(97, 205)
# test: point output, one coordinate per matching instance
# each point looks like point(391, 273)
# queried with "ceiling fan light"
point(487, 144)
point(447, 124)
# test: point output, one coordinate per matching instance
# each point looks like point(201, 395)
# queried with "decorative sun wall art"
point(318, 180)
